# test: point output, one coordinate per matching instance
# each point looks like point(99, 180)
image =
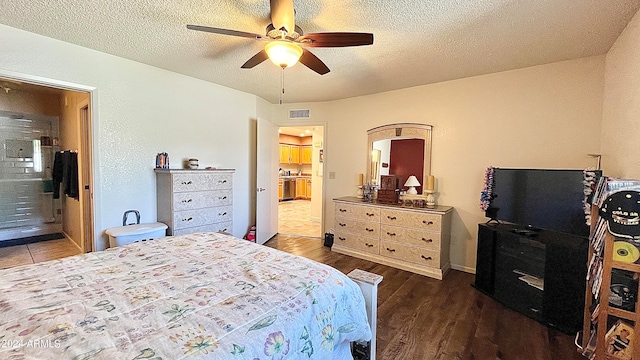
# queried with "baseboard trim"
point(466, 269)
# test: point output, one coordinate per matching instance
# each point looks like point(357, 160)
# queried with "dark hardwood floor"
point(424, 318)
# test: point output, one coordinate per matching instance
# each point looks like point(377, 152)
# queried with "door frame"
point(93, 111)
point(307, 123)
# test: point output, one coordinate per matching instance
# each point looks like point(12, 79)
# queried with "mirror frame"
point(401, 131)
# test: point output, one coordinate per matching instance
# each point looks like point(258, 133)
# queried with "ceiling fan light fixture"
point(283, 53)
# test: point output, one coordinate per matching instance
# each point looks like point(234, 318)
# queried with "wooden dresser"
point(407, 238)
point(195, 200)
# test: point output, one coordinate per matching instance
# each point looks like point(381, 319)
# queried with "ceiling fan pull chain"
point(282, 85)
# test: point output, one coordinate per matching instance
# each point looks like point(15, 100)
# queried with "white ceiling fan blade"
point(282, 15)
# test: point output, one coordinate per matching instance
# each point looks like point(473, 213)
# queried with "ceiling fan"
point(286, 41)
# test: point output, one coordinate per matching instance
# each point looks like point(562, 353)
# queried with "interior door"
point(268, 157)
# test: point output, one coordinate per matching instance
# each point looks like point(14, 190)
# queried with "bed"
point(203, 295)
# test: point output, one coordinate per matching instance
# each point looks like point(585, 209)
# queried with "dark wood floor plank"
point(423, 318)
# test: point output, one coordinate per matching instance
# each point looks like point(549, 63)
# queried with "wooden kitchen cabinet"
point(301, 188)
point(289, 154)
point(306, 154)
point(309, 189)
point(280, 190)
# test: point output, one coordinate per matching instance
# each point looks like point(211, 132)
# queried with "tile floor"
point(294, 218)
point(37, 252)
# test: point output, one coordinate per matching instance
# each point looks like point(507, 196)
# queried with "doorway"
point(300, 180)
point(68, 118)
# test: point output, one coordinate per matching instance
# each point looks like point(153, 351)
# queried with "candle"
point(360, 179)
point(431, 182)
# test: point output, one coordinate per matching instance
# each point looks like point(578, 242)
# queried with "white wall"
point(139, 111)
point(621, 113)
point(539, 117)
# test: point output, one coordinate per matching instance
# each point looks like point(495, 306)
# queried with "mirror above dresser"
point(401, 149)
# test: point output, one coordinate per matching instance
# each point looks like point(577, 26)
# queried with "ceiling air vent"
point(299, 114)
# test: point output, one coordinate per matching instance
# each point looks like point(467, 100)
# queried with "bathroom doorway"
point(300, 181)
point(57, 124)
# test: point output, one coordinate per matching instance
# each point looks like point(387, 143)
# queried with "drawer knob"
point(427, 222)
point(368, 245)
point(187, 219)
point(341, 224)
point(342, 210)
point(426, 257)
point(222, 214)
point(391, 217)
point(186, 182)
point(370, 214)
point(187, 201)
point(369, 230)
point(392, 250)
point(341, 238)
point(393, 234)
point(427, 240)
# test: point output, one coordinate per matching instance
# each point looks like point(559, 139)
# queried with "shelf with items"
point(611, 313)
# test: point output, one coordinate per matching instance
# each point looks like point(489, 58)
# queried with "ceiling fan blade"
point(336, 39)
point(255, 60)
point(224, 31)
point(312, 62)
point(282, 15)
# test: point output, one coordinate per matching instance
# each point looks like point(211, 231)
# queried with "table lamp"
point(412, 182)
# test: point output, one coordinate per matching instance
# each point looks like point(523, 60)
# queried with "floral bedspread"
point(200, 295)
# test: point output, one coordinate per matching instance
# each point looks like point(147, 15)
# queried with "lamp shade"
point(283, 53)
point(412, 181)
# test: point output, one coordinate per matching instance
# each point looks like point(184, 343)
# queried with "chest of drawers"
point(412, 239)
point(195, 200)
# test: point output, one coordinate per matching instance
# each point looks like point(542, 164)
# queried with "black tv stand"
point(538, 273)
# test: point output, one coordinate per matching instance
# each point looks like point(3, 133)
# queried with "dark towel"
point(72, 180)
point(57, 172)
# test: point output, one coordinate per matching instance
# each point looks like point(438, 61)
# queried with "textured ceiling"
point(416, 42)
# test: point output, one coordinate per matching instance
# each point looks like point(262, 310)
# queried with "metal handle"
point(427, 222)
point(426, 257)
point(369, 230)
point(186, 182)
point(222, 214)
point(341, 238)
point(392, 250)
point(223, 197)
point(222, 181)
point(187, 219)
point(187, 201)
point(258, 190)
point(391, 234)
point(391, 217)
point(427, 240)
point(341, 224)
point(368, 245)
point(370, 214)
point(342, 210)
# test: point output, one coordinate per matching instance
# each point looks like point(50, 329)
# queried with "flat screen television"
point(540, 199)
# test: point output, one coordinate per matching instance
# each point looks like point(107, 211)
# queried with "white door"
point(268, 158)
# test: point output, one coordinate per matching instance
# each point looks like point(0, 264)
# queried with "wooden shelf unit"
point(605, 310)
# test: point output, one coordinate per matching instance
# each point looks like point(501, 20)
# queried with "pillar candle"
point(431, 182)
point(360, 179)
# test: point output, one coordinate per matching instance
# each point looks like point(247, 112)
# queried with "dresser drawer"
point(353, 226)
point(217, 227)
point(360, 212)
point(200, 182)
point(201, 199)
point(199, 217)
point(423, 221)
point(357, 242)
point(412, 254)
point(415, 237)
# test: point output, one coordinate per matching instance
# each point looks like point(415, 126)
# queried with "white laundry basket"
point(124, 235)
